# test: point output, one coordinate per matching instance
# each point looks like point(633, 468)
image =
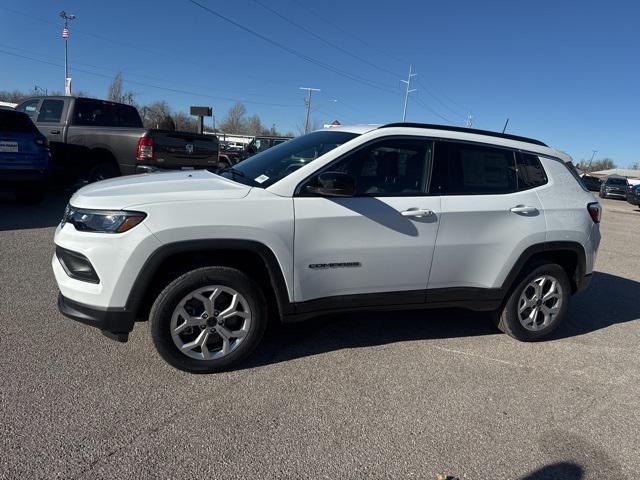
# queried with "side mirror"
point(333, 184)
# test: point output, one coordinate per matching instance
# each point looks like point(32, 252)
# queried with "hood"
point(128, 191)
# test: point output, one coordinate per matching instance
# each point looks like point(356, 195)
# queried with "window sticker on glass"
point(261, 179)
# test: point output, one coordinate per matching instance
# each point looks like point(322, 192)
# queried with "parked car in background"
point(231, 156)
point(24, 156)
point(97, 139)
point(614, 186)
point(592, 183)
point(633, 194)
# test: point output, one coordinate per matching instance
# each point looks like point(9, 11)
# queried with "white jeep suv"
point(403, 216)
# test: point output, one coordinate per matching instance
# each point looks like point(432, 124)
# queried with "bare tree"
point(15, 96)
point(596, 165)
point(184, 122)
point(116, 92)
point(635, 166)
point(155, 114)
point(235, 121)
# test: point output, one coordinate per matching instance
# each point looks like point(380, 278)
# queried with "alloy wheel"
point(540, 302)
point(210, 322)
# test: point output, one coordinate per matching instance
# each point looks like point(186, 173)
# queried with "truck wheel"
point(102, 171)
point(30, 196)
point(208, 320)
point(223, 164)
point(537, 305)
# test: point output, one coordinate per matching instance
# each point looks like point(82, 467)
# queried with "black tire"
point(507, 319)
point(30, 195)
point(102, 171)
point(223, 164)
point(165, 304)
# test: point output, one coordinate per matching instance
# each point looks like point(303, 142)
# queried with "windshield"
point(616, 181)
point(267, 167)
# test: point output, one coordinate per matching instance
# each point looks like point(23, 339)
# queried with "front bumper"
point(115, 323)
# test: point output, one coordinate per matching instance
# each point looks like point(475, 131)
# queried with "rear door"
point(378, 243)
point(51, 118)
point(490, 214)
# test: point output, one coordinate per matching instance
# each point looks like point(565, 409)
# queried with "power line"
point(296, 53)
point(437, 99)
point(163, 54)
point(129, 74)
point(322, 39)
point(375, 48)
point(420, 103)
point(174, 90)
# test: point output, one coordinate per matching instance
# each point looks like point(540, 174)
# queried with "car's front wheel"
point(537, 305)
point(208, 319)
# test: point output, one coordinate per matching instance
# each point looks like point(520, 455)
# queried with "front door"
point(379, 242)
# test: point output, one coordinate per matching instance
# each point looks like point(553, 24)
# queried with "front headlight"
point(101, 221)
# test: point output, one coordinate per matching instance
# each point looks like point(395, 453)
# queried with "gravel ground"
point(384, 395)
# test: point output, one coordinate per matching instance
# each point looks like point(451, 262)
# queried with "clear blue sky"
point(567, 72)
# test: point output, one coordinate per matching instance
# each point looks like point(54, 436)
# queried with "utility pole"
point(65, 36)
point(469, 122)
point(593, 154)
point(307, 101)
point(407, 91)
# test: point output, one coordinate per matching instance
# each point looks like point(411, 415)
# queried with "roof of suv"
point(496, 138)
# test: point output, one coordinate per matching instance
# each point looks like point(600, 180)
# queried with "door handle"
point(416, 212)
point(55, 132)
point(525, 210)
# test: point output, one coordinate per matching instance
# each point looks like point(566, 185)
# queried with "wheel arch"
point(569, 255)
point(171, 260)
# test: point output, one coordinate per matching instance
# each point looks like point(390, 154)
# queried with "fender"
point(155, 260)
point(555, 246)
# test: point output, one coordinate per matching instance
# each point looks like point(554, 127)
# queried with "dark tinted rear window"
point(15, 122)
point(530, 172)
point(616, 181)
point(128, 116)
point(99, 113)
point(51, 110)
point(474, 169)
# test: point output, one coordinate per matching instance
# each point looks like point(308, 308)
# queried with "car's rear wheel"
point(208, 320)
point(537, 305)
point(30, 195)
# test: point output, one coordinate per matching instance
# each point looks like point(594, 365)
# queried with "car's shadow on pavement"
point(16, 216)
point(609, 300)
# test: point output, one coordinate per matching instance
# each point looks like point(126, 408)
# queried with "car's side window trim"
point(298, 190)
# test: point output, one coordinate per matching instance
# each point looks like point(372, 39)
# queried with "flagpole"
point(66, 55)
point(65, 37)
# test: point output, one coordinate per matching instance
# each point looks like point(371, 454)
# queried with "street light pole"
point(65, 36)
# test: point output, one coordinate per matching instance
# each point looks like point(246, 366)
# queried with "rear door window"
point(530, 171)
point(469, 169)
point(51, 111)
point(95, 113)
point(128, 116)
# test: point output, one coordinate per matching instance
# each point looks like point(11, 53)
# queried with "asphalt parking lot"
point(384, 395)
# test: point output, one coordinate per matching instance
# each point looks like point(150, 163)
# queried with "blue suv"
point(25, 160)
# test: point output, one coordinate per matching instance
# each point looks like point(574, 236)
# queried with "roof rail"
point(465, 130)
